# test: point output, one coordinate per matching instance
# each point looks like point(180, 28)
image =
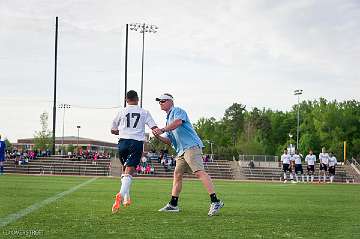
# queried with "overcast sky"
point(208, 54)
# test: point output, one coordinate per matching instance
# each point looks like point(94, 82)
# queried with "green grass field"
point(252, 210)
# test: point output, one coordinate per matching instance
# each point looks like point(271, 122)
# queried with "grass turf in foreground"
point(252, 210)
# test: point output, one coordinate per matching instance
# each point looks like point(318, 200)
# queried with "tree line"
point(264, 131)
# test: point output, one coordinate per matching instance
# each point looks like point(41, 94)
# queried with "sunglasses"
point(162, 101)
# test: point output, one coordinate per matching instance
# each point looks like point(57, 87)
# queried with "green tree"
point(234, 120)
point(70, 148)
point(157, 145)
point(42, 138)
point(8, 145)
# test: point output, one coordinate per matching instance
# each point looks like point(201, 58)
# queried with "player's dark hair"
point(132, 95)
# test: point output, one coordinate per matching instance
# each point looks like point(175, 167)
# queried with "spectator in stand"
point(147, 169)
point(169, 163)
point(162, 161)
point(96, 155)
point(152, 169)
point(2, 155)
point(31, 155)
point(143, 159)
point(252, 164)
point(26, 158)
point(138, 169)
point(21, 158)
point(142, 169)
point(206, 159)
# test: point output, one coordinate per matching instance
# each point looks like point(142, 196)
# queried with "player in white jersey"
point(285, 160)
point(310, 159)
point(129, 124)
point(332, 164)
point(324, 161)
point(298, 166)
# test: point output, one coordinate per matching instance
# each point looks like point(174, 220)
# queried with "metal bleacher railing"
point(258, 160)
point(354, 167)
point(355, 162)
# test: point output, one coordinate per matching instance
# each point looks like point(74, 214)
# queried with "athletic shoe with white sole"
point(169, 208)
point(215, 207)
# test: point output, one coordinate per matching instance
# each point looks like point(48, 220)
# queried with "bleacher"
point(272, 173)
point(60, 166)
point(219, 169)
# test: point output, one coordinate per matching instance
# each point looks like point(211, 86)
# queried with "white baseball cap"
point(165, 96)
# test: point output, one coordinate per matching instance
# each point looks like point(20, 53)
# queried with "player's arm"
point(115, 125)
point(150, 122)
point(180, 117)
point(176, 123)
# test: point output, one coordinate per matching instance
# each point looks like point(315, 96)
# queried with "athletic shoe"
point(169, 208)
point(285, 181)
point(127, 203)
point(215, 207)
point(116, 205)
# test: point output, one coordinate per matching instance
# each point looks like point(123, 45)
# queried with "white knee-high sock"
point(324, 178)
point(307, 178)
point(302, 178)
point(296, 177)
point(284, 176)
point(125, 185)
point(312, 178)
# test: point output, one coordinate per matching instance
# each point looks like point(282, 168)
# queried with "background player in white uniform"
point(129, 124)
point(285, 160)
point(332, 164)
point(298, 166)
point(310, 159)
point(324, 161)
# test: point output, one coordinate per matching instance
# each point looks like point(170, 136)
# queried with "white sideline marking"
point(16, 216)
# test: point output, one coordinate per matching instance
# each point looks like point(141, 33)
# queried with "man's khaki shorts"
point(190, 161)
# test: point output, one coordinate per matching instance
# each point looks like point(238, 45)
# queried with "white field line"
point(16, 216)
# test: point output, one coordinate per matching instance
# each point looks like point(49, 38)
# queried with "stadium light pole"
point(126, 58)
point(142, 28)
point(55, 77)
point(63, 106)
point(298, 93)
point(78, 128)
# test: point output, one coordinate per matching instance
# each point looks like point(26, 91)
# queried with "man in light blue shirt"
point(180, 134)
point(184, 137)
